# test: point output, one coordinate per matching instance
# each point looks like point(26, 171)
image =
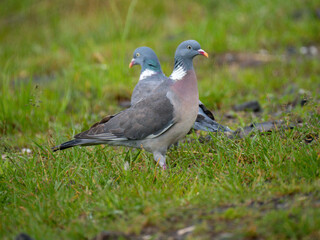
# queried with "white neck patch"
point(178, 73)
point(146, 73)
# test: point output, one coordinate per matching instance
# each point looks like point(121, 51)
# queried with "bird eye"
point(189, 47)
point(137, 54)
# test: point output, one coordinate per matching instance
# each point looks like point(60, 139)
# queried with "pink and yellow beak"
point(131, 63)
point(204, 53)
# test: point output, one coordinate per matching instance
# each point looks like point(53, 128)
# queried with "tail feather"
point(205, 123)
point(69, 144)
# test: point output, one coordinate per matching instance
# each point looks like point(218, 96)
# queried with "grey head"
point(183, 58)
point(147, 59)
point(185, 53)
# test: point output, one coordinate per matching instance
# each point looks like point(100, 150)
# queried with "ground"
point(64, 66)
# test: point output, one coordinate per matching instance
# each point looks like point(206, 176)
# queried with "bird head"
point(146, 58)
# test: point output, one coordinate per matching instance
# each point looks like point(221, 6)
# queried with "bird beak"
point(202, 52)
point(131, 63)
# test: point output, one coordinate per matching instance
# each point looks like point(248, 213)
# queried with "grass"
point(64, 66)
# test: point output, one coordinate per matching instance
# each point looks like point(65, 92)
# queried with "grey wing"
point(148, 118)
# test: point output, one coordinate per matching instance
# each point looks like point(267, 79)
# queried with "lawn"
point(64, 66)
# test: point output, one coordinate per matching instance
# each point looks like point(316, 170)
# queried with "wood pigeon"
point(156, 121)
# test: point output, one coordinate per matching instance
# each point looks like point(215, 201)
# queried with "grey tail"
point(66, 145)
point(204, 123)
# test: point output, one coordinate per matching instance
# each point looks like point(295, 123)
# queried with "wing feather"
point(148, 118)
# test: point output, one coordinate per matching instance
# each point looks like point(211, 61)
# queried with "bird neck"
point(148, 72)
point(181, 66)
point(152, 65)
point(149, 68)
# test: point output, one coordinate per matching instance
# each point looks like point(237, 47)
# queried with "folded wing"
point(148, 118)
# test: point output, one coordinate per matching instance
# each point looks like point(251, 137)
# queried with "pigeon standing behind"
point(157, 121)
point(151, 76)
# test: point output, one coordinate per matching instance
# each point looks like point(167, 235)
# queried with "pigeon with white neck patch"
point(151, 76)
point(157, 121)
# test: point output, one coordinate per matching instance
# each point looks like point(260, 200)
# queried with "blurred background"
point(64, 64)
